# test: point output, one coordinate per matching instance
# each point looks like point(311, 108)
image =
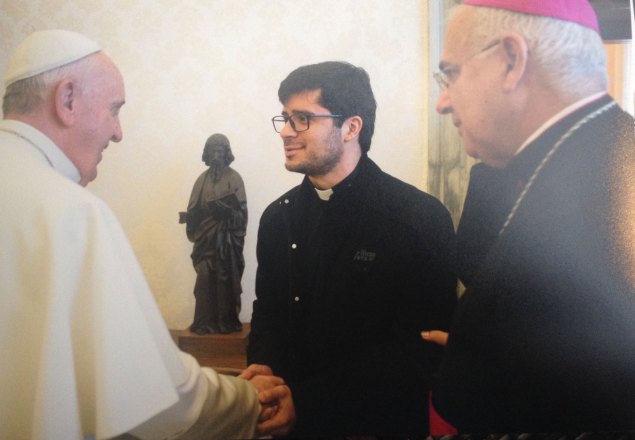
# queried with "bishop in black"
point(543, 339)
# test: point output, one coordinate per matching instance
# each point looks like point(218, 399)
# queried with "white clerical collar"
point(43, 144)
point(324, 194)
point(559, 116)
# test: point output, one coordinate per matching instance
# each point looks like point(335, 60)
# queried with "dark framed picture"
point(615, 19)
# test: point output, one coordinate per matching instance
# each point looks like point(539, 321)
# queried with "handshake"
point(278, 412)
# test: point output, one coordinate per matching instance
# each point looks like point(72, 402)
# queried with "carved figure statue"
point(216, 222)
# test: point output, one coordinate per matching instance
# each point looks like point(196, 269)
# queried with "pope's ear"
point(64, 97)
point(516, 53)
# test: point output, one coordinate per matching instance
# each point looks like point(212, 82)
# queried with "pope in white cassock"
point(85, 351)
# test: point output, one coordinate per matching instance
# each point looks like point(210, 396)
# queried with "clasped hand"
point(278, 412)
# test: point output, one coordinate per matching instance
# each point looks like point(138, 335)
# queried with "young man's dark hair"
point(345, 90)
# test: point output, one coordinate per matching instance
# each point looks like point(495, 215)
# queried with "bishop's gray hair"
point(570, 58)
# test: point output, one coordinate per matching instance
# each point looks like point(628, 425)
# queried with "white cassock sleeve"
point(223, 403)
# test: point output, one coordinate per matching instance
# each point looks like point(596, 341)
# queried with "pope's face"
point(98, 105)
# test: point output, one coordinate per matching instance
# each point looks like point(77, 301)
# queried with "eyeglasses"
point(299, 121)
point(448, 75)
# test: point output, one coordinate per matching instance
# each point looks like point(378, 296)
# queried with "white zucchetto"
point(45, 50)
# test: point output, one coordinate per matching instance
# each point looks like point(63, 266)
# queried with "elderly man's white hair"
point(40, 60)
point(46, 50)
point(570, 58)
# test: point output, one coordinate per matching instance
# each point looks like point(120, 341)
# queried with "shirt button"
point(286, 201)
point(294, 246)
point(296, 299)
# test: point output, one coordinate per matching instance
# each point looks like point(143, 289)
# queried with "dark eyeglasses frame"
point(289, 119)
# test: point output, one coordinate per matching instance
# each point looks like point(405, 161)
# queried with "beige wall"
point(196, 67)
point(620, 68)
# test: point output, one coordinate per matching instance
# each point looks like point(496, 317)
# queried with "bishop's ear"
point(516, 52)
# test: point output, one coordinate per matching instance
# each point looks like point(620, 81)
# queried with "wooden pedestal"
point(224, 353)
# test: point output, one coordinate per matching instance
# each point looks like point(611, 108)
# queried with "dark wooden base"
point(224, 353)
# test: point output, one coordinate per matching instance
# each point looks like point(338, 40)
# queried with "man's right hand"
point(278, 411)
point(282, 417)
